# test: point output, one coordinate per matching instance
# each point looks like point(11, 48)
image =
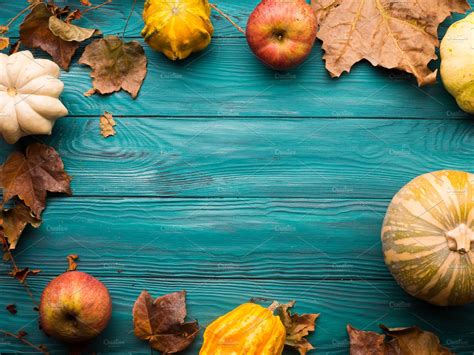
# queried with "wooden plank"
point(227, 80)
point(210, 238)
point(324, 158)
point(363, 304)
point(112, 17)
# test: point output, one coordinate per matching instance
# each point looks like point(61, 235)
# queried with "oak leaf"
point(297, 327)
point(14, 221)
point(29, 176)
point(35, 33)
point(107, 125)
point(69, 32)
point(161, 322)
point(115, 65)
point(395, 341)
point(392, 34)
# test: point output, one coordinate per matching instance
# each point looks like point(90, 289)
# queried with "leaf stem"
point(13, 19)
point(224, 15)
point(24, 341)
point(96, 7)
point(128, 18)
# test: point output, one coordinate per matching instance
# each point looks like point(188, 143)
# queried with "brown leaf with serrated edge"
point(115, 65)
point(395, 341)
point(107, 125)
point(23, 274)
point(35, 33)
point(29, 176)
point(14, 221)
point(392, 34)
point(69, 32)
point(297, 327)
point(11, 308)
point(161, 322)
point(71, 259)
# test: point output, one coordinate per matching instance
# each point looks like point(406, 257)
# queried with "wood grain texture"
point(230, 157)
point(227, 80)
point(364, 304)
point(210, 238)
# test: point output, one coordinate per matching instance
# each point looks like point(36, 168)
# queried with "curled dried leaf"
point(71, 259)
point(107, 125)
point(297, 327)
point(23, 274)
point(69, 32)
point(14, 221)
point(161, 322)
point(35, 33)
point(4, 42)
point(29, 176)
point(115, 65)
point(3, 29)
point(395, 341)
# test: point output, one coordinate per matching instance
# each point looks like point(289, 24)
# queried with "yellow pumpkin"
point(177, 28)
point(249, 329)
point(457, 62)
point(428, 237)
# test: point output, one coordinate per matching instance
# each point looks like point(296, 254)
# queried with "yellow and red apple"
point(75, 307)
point(281, 33)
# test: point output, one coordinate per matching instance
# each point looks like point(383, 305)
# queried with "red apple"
point(75, 307)
point(281, 33)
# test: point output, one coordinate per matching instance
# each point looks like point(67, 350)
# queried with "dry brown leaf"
point(11, 308)
point(14, 221)
point(30, 176)
point(392, 34)
point(115, 65)
point(35, 33)
point(395, 341)
point(71, 259)
point(69, 32)
point(161, 322)
point(86, 3)
point(297, 327)
point(3, 29)
point(4, 42)
point(23, 274)
point(107, 125)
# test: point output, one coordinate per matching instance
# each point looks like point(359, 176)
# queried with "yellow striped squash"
point(428, 237)
point(249, 329)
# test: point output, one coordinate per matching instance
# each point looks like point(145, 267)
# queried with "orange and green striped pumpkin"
point(249, 329)
point(428, 237)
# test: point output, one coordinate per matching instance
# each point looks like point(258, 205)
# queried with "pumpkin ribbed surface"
point(428, 237)
point(177, 27)
point(250, 329)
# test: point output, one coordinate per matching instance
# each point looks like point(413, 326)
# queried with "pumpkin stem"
point(460, 239)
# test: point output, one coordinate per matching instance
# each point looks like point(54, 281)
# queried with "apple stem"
point(224, 15)
point(24, 341)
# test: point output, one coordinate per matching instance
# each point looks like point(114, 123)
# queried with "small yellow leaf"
point(107, 124)
point(4, 42)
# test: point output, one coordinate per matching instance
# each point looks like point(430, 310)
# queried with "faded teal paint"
point(239, 182)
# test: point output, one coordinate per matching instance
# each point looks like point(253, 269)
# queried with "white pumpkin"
point(457, 62)
point(29, 91)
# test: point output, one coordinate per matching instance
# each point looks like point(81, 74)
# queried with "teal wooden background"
point(233, 181)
